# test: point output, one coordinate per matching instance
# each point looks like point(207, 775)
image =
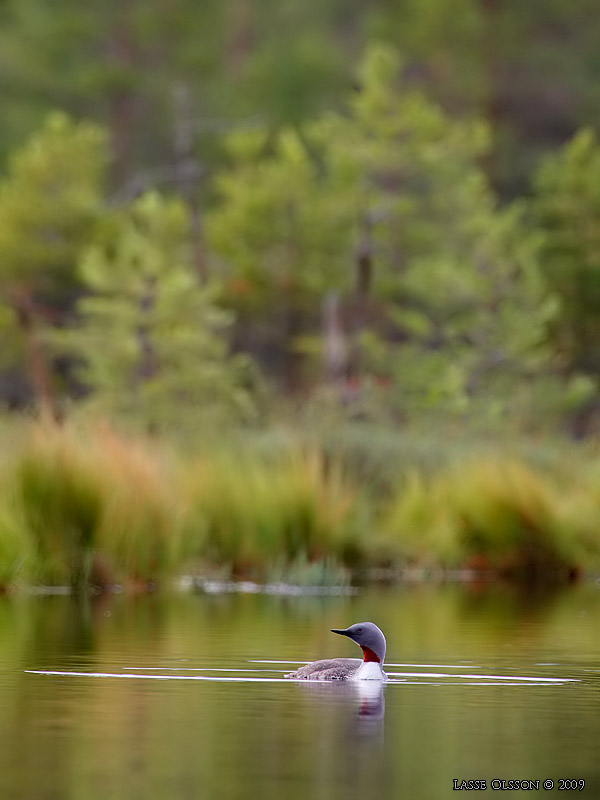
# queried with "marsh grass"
point(60, 503)
point(84, 505)
point(17, 552)
point(501, 516)
point(140, 527)
point(257, 512)
point(95, 507)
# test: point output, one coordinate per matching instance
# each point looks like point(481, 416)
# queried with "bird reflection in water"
point(367, 697)
point(371, 702)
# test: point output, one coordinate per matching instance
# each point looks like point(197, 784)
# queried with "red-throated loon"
point(372, 642)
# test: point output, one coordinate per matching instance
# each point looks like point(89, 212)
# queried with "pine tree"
point(388, 205)
point(153, 342)
point(49, 202)
point(452, 272)
point(567, 208)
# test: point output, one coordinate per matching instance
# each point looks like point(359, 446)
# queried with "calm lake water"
point(486, 685)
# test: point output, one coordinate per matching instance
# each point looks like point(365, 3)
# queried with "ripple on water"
point(240, 674)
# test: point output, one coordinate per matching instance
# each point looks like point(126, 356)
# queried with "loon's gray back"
point(327, 669)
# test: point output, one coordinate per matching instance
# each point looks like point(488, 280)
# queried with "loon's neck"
point(370, 671)
point(369, 655)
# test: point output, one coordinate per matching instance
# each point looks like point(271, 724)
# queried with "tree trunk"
point(188, 173)
point(38, 372)
point(121, 103)
point(241, 40)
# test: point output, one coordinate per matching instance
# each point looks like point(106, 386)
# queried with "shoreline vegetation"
point(86, 507)
point(337, 353)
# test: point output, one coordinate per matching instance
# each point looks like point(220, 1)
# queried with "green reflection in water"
point(81, 737)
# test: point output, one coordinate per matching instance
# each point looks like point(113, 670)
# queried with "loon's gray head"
point(368, 636)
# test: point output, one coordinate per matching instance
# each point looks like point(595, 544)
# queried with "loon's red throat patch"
point(369, 655)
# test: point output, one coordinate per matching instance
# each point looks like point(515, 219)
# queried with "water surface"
point(183, 696)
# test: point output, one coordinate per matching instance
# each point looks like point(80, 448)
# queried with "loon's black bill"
point(342, 633)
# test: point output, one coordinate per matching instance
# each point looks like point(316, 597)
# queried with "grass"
point(60, 504)
point(87, 506)
point(256, 512)
point(499, 516)
point(90, 507)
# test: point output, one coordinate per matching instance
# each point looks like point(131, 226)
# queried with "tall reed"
point(97, 507)
point(255, 512)
point(60, 501)
point(491, 515)
point(85, 505)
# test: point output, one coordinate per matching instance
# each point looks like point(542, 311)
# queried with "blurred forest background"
point(372, 225)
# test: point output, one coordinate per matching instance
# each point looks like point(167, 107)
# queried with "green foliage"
point(61, 503)
point(152, 340)
point(48, 202)
point(450, 275)
point(115, 70)
point(259, 514)
point(457, 274)
point(233, 60)
point(279, 227)
point(88, 509)
point(492, 516)
point(528, 68)
point(91, 507)
point(386, 204)
point(567, 206)
point(290, 74)
point(444, 39)
point(140, 533)
point(18, 562)
point(282, 238)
